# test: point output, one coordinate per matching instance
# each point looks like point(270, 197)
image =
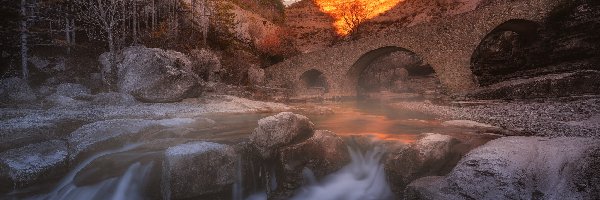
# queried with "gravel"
point(552, 118)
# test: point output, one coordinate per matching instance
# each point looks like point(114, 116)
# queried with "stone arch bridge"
point(447, 45)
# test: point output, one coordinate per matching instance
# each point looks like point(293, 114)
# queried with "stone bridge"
point(447, 45)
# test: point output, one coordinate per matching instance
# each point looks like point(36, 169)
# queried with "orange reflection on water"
point(350, 122)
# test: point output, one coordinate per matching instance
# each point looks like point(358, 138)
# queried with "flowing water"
point(129, 172)
point(363, 179)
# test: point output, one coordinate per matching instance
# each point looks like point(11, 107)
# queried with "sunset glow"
point(337, 10)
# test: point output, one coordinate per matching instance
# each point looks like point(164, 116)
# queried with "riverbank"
point(548, 117)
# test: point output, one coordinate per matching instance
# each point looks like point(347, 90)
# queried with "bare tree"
point(28, 15)
point(109, 16)
point(354, 14)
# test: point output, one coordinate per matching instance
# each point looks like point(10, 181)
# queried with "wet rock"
point(154, 75)
point(15, 90)
point(323, 153)
point(432, 155)
point(109, 134)
point(521, 168)
point(197, 169)
point(32, 164)
point(113, 98)
point(280, 130)
point(72, 90)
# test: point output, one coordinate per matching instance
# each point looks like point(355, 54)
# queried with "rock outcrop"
point(154, 75)
point(523, 59)
point(520, 168)
point(196, 169)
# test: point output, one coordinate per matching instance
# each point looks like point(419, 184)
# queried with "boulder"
point(323, 153)
point(32, 164)
point(280, 130)
point(198, 169)
point(432, 155)
point(104, 135)
point(72, 90)
point(15, 90)
point(154, 75)
point(520, 168)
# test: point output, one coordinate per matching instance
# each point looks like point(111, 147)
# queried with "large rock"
point(520, 168)
point(280, 130)
point(15, 90)
point(31, 164)
point(432, 155)
point(198, 169)
point(323, 153)
point(104, 135)
point(154, 75)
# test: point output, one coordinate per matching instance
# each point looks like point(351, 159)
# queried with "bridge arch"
point(391, 69)
point(504, 51)
point(313, 82)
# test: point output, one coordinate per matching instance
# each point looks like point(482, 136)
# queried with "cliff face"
point(313, 30)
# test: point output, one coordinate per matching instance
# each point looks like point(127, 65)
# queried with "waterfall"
point(363, 179)
point(128, 186)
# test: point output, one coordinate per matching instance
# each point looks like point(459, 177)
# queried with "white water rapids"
point(363, 179)
point(127, 187)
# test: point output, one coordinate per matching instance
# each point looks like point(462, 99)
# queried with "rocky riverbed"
point(545, 117)
point(67, 143)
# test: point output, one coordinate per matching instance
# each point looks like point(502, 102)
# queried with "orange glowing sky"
point(332, 8)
